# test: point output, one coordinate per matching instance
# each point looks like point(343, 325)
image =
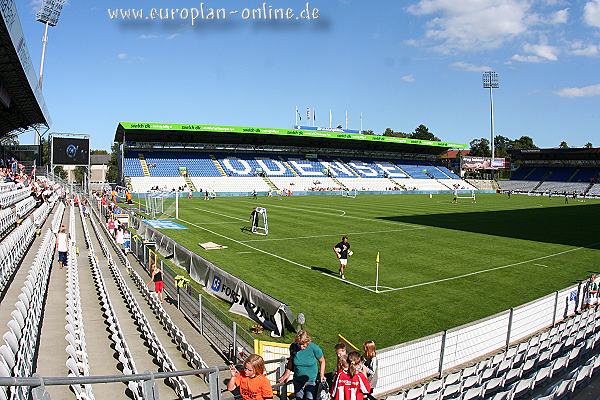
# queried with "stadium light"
point(48, 14)
point(491, 81)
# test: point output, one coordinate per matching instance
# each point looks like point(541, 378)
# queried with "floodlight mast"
point(491, 81)
point(48, 14)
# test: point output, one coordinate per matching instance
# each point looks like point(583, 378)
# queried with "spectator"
point(359, 384)
point(304, 356)
point(157, 278)
point(341, 353)
point(341, 380)
point(252, 382)
point(370, 356)
point(111, 226)
point(62, 246)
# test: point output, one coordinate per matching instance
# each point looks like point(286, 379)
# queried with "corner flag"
point(377, 259)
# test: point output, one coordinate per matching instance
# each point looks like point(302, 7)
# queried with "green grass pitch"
point(441, 264)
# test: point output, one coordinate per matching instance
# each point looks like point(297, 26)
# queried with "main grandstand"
point(227, 160)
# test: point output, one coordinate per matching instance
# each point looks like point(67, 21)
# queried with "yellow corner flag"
point(377, 259)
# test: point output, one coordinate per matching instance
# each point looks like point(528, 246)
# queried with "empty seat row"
point(522, 368)
point(77, 360)
point(187, 350)
point(178, 384)
point(117, 336)
point(41, 213)
point(7, 199)
point(12, 249)
point(17, 354)
point(57, 219)
point(7, 187)
point(8, 218)
point(24, 206)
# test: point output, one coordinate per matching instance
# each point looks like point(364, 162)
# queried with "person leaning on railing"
point(304, 357)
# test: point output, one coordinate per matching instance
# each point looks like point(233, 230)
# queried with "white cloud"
point(537, 53)
point(173, 36)
point(529, 59)
point(585, 91)
point(408, 78)
point(473, 24)
point(122, 56)
point(591, 13)
point(544, 51)
point(585, 50)
point(146, 37)
point(470, 67)
point(560, 17)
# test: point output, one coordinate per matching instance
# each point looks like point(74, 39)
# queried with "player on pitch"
point(342, 251)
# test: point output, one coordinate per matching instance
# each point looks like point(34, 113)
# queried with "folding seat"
point(426, 396)
point(470, 382)
point(16, 315)
point(9, 357)
point(517, 360)
point(510, 353)
point(15, 329)
point(544, 357)
point(527, 367)
point(473, 394)
point(503, 367)
point(493, 386)
point(559, 365)
point(497, 359)
point(582, 377)
point(532, 352)
point(523, 389)
point(451, 392)
point(563, 389)
point(452, 379)
point(501, 395)
point(12, 342)
point(522, 347)
point(512, 375)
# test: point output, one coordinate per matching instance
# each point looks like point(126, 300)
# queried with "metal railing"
point(38, 383)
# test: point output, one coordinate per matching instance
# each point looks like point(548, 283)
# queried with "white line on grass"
point(334, 235)
point(541, 265)
point(273, 255)
point(222, 215)
point(342, 212)
point(383, 221)
point(487, 270)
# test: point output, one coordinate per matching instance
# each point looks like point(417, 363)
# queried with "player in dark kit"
point(342, 251)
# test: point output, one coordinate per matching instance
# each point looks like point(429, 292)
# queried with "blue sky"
point(400, 63)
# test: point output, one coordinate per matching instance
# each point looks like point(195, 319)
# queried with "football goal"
point(258, 221)
point(349, 193)
point(460, 195)
point(161, 205)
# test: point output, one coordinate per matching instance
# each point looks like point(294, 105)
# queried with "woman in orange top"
point(252, 381)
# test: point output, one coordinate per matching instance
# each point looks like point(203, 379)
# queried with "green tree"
point(588, 145)
point(563, 145)
point(60, 172)
point(501, 146)
point(422, 132)
point(113, 164)
point(79, 173)
point(480, 148)
point(369, 132)
point(99, 152)
point(523, 143)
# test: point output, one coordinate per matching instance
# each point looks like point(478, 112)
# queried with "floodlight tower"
point(491, 81)
point(48, 14)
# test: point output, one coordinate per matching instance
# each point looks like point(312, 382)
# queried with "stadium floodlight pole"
point(361, 124)
point(48, 14)
point(491, 81)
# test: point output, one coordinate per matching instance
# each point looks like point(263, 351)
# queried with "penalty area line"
point(273, 255)
point(488, 269)
point(334, 235)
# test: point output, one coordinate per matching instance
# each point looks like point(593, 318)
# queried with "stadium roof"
point(556, 154)
point(22, 104)
point(217, 134)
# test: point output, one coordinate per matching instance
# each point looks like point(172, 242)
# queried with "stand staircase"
point(270, 183)
point(183, 172)
point(144, 164)
point(338, 182)
point(218, 165)
point(288, 166)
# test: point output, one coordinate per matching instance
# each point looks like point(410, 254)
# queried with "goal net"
point(161, 205)
point(349, 193)
point(464, 194)
point(258, 221)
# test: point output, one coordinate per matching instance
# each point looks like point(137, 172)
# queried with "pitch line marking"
point(542, 265)
point(334, 235)
point(383, 221)
point(222, 215)
point(488, 270)
point(309, 209)
point(271, 254)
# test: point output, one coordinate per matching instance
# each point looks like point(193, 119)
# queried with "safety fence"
point(434, 355)
point(39, 384)
point(232, 341)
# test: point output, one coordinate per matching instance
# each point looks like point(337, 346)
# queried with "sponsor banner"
point(476, 163)
point(245, 300)
point(285, 132)
point(319, 128)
